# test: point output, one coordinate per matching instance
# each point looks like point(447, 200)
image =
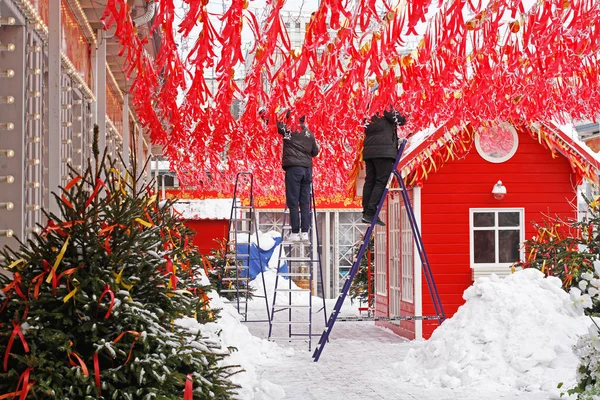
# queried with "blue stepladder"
point(440, 316)
point(238, 254)
point(297, 261)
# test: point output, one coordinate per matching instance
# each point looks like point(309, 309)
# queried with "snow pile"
point(267, 240)
point(298, 298)
point(249, 351)
point(517, 332)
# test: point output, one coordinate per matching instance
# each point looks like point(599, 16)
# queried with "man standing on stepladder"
point(379, 152)
point(299, 147)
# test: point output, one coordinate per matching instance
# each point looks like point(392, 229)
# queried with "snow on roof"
point(429, 149)
point(204, 209)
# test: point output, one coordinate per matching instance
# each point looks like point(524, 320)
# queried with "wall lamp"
point(499, 191)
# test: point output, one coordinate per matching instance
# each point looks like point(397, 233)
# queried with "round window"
point(497, 143)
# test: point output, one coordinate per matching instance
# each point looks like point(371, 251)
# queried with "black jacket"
point(381, 138)
point(298, 147)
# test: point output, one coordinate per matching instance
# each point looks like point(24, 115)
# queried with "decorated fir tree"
point(89, 310)
point(216, 266)
point(564, 249)
point(360, 290)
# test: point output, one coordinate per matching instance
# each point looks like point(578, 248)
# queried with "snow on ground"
point(512, 339)
point(515, 332)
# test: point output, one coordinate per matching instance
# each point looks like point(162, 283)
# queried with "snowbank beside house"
point(517, 331)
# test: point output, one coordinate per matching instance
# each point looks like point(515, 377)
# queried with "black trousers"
point(378, 172)
point(297, 194)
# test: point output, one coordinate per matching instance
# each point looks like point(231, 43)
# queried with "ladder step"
point(283, 308)
point(307, 259)
point(291, 243)
point(290, 322)
point(243, 207)
point(242, 292)
point(238, 255)
point(398, 318)
point(241, 278)
point(288, 338)
point(293, 274)
point(238, 267)
point(292, 290)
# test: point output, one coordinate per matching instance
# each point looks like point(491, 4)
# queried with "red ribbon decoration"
point(534, 73)
point(112, 300)
point(99, 184)
point(188, 394)
point(97, 373)
point(16, 331)
point(72, 183)
point(137, 336)
point(79, 362)
point(24, 379)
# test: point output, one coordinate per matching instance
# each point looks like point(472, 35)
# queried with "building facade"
point(60, 73)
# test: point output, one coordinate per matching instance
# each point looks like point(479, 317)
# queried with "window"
point(496, 236)
point(407, 258)
point(497, 143)
point(381, 258)
point(394, 231)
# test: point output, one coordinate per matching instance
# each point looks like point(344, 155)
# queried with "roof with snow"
point(430, 149)
point(204, 209)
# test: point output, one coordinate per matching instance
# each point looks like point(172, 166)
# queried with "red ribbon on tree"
point(16, 332)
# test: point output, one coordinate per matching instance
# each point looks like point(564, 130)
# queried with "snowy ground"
point(512, 339)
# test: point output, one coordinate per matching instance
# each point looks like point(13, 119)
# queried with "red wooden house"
point(467, 230)
point(208, 218)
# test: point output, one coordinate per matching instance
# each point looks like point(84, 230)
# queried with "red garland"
point(542, 69)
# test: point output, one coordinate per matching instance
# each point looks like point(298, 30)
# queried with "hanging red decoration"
point(465, 62)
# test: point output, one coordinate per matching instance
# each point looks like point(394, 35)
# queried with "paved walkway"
point(358, 364)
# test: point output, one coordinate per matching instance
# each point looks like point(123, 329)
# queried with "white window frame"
point(406, 233)
point(497, 160)
point(496, 267)
point(394, 233)
point(381, 265)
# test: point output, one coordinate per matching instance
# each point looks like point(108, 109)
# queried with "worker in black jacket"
point(379, 152)
point(299, 147)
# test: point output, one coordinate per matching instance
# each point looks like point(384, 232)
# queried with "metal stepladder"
point(239, 255)
point(437, 304)
point(301, 259)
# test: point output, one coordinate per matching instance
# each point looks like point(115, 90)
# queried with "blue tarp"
point(257, 254)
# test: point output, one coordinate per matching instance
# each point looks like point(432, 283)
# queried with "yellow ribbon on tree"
point(72, 292)
point(15, 263)
point(59, 258)
point(142, 222)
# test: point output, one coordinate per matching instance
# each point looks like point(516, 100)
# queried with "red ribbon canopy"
point(500, 62)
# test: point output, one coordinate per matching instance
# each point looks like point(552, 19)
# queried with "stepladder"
point(241, 256)
point(299, 278)
point(335, 313)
